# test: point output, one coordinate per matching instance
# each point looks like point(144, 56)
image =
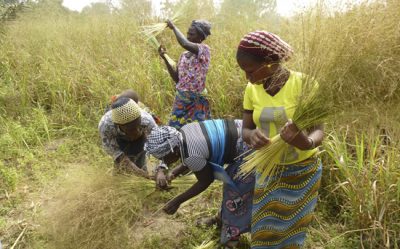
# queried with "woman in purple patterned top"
point(190, 74)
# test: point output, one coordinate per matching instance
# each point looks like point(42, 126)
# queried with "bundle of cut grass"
point(312, 109)
point(97, 210)
point(154, 42)
point(207, 245)
point(157, 28)
point(152, 31)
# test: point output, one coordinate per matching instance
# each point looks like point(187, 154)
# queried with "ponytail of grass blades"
point(157, 28)
point(150, 32)
point(154, 42)
point(312, 109)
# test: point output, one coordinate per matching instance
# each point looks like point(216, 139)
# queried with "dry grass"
point(59, 70)
point(94, 209)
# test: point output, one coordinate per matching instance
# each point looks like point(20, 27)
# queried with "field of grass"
point(58, 70)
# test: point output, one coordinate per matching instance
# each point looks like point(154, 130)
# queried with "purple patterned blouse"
point(193, 70)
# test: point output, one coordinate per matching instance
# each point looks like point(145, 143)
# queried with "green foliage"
point(97, 9)
point(364, 185)
point(249, 9)
point(9, 10)
point(8, 176)
point(58, 70)
point(140, 10)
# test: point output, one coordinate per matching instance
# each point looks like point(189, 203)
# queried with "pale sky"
point(285, 7)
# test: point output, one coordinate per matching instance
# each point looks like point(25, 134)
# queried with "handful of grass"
point(153, 41)
point(312, 109)
point(206, 245)
point(157, 28)
point(97, 210)
point(152, 31)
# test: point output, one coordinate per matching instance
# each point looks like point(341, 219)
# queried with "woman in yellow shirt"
point(282, 206)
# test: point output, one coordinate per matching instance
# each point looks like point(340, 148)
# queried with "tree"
point(192, 9)
point(9, 9)
point(50, 7)
point(139, 9)
point(248, 9)
point(97, 9)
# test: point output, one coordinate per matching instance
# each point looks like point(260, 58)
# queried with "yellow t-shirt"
point(270, 113)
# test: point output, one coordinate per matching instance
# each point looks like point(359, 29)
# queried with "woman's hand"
point(291, 134)
point(289, 131)
point(162, 50)
point(161, 179)
point(258, 139)
point(170, 177)
point(170, 24)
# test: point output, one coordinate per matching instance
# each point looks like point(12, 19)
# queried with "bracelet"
point(312, 143)
point(120, 158)
point(161, 166)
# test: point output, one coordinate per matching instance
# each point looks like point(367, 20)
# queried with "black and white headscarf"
point(162, 141)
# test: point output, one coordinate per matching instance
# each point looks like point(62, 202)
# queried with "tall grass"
point(97, 212)
point(93, 209)
point(57, 73)
point(364, 184)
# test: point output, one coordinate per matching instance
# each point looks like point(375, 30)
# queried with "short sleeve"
point(247, 100)
point(147, 120)
point(195, 163)
point(108, 135)
point(204, 54)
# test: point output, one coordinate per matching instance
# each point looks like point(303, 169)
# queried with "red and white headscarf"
point(266, 44)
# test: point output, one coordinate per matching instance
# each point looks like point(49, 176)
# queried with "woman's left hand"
point(289, 131)
point(170, 24)
point(291, 134)
point(162, 50)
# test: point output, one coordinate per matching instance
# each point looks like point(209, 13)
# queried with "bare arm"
point(181, 169)
point(251, 135)
point(183, 41)
point(301, 139)
point(173, 72)
point(204, 178)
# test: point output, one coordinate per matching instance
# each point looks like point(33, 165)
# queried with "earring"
point(269, 65)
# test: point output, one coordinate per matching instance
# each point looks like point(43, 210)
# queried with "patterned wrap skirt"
point(283, 206)
point(189, 107)
point(237, 203)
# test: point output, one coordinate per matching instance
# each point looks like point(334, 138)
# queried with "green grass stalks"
point(151, 32)
point(154, 42)
point(365, 185)
point(58, 70)
point(97, 210)
point(155, 29)
point(96, 213)
point(207, 245)
point(264, 160)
